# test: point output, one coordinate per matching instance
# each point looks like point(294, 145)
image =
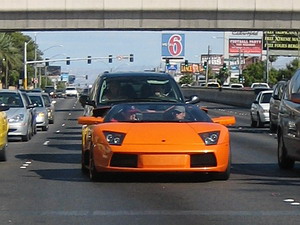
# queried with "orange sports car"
point(155, 137)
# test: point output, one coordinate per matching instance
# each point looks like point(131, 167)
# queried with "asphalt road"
point(41, 183)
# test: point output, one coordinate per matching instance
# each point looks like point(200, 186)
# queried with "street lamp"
point(25, 60)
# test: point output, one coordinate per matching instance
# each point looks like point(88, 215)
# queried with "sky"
point(144, 45)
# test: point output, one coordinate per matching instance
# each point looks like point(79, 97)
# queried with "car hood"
point(14, 111)
point(177, 133)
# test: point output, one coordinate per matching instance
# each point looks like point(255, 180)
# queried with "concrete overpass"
point(149, 14)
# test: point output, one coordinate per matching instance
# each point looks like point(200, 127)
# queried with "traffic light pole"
point(206, 71)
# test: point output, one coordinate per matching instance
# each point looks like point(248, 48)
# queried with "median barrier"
point(228, 96)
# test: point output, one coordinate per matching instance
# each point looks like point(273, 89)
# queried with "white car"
point(259, 85)
point(236, 85)
point(259, 111)
point(71, 92)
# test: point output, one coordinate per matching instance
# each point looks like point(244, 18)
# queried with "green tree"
point(11, 58)
point(187, 79)
point(254, 73)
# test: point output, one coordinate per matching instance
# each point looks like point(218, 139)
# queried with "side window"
point(295, 83)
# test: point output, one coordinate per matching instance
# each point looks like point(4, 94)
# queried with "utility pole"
point(206, 71)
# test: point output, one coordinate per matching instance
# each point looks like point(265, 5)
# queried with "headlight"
point(114, 138)
point(16, 118)
point(210, 138)
point(41, 114)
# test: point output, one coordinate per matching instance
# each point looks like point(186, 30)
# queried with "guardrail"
point(235, 97)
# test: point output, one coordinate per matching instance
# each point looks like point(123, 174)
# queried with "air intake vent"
point(203, 160)
point(124, 160)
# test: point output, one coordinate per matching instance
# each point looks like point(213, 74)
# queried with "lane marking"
point(46, 142)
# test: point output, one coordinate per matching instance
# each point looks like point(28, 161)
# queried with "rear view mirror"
point(4, 108)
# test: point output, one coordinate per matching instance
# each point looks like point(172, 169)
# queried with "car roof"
point(266, 91)
point(135, 74)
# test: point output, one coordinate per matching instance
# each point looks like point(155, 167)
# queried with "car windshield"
point(156, 112)
point(37, 100)
point(12, 100)
point(46, 99)
point(139, 89)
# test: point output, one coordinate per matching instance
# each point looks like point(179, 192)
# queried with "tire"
point(273, 127)
point(224, 175)
point(93, 175)
point(26, 137)
point(253, 123)
point(2, 154)
point(284, 162)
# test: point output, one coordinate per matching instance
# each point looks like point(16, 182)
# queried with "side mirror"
point(295, 98)
point(255, 102)
point(89, 120)
point(224, 120)
point(276, 97)
point(4, 108)
point(30, 106)
point(194, 99)
point(83, 100)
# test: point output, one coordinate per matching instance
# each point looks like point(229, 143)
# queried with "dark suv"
point(275, 103)
point(289, 124)
point(113, 88)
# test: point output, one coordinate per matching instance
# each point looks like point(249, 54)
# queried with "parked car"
point(288, 131)
point(275, 100)
point(50, 104)
point(3, 132)
point(20, 117)
point(144, 137)
point(42, 120)
point(259, 112)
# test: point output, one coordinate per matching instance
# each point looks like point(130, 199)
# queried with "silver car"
point(19, 114)
point(50, 106)
point(42, 120)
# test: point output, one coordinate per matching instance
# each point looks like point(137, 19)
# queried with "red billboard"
point(246, 46)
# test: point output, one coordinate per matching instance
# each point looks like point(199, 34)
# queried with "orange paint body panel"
point(161, 146)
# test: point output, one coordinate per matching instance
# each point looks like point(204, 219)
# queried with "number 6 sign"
point(173, 45)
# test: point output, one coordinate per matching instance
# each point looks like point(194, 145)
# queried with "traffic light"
point(86, 77)
point(167, 62)
point(205, 65)
point(110, 59)
point(224, 67)
point(89, 61)
point(68, 60)
point(131, 58)
point(186, 62)
point(46, 63)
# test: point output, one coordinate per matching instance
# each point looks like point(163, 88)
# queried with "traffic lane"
point(53, 190)
point(20, 179)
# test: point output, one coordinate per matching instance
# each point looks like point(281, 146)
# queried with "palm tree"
point(9, 56)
